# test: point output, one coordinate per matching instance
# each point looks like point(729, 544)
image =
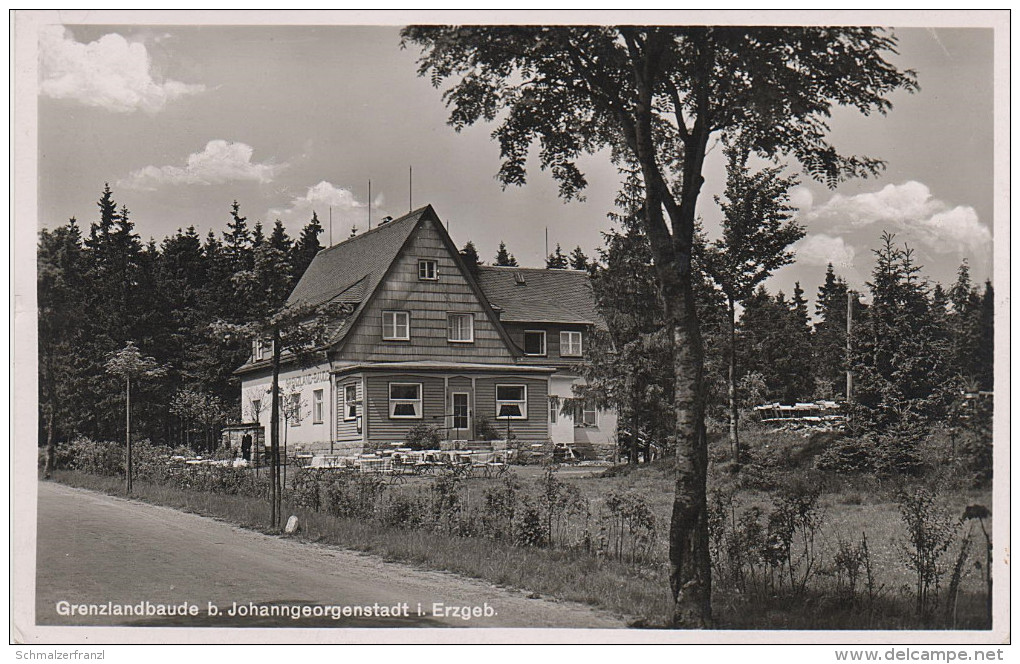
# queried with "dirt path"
point(96, 549)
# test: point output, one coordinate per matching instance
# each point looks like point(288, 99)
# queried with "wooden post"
point(127, 417)
point(849, 327)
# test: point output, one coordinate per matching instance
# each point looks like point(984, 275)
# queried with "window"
point(293, 413)
point(396, 326)
point(405, 401)
point(256, 409)
point(570, 344)
point(554, 409)
point(350, 402)
point(512, 402)
point(460, 328)
point(534, 342)
point(260, 349)
point(428, 269)
point(317, 407)
point(586, 415)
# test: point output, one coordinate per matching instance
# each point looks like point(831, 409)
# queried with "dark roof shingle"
point(548, 296)
point(350, 271)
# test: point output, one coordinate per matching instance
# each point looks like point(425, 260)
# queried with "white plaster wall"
point(302, 434)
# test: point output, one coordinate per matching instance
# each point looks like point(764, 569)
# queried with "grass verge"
point(566, 575)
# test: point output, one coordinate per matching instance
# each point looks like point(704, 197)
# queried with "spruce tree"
point(578, 261)
point(505, 258)
point(557, 260)
point(829, 337)
point(307, 246)
point(470, 255)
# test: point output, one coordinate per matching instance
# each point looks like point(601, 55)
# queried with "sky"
point(183, 120)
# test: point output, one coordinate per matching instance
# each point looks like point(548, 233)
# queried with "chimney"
point(385, 220)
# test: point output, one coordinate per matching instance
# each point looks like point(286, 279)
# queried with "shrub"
point(930, 532)
point(353, 496)
point(423, 437)
point(306, 486)
point(499, 509)
point(628, 525)
point(529, 528)
point(92, 456)
point(485, 430)
point(403, 511)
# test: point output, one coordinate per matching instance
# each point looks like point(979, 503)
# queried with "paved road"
point(99, 550)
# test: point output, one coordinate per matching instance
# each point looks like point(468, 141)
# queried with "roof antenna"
point(410, 182)
point(370, 204)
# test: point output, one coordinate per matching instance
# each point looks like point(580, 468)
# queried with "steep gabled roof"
point(350, 271)
point(534, 295)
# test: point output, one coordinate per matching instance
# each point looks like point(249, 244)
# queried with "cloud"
point(220, 161)
point(347, 209)
point(821, 249)
point(910, 208)
point(110, 73)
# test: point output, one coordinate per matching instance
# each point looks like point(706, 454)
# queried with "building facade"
point(478, 353)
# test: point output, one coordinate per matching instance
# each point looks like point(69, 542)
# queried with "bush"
point(91, 456)
point(930, 532)
point(485, 430)
point(353, 496)
point(423, 437)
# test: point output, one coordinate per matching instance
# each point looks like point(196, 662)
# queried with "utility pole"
point(370, 204)
point(331, 225)
point(410, 187)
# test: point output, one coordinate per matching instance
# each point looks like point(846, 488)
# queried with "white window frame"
point(256, 408)
point(418, 403)
point(554, 409)
point(522, 403)
point(579, 416)
point(317, 409)
point(566, 344)
point(450, 316)
point(423, 275)
point(545, 343)
point(256, 350)
point(348, 417)
point(390, 332)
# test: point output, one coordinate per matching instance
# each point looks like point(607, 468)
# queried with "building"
point(476, 353)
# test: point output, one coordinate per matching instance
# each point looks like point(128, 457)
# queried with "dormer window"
point(428, 270)
point(534, 342)
point(570, 344)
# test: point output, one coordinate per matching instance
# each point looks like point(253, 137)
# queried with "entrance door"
point(461, 424)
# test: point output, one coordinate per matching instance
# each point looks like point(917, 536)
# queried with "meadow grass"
point(850, 505)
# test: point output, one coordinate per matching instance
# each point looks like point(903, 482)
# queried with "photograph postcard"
point(511, 327)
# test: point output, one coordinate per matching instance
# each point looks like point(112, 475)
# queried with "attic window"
point(428, 270)
point(519, 278)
